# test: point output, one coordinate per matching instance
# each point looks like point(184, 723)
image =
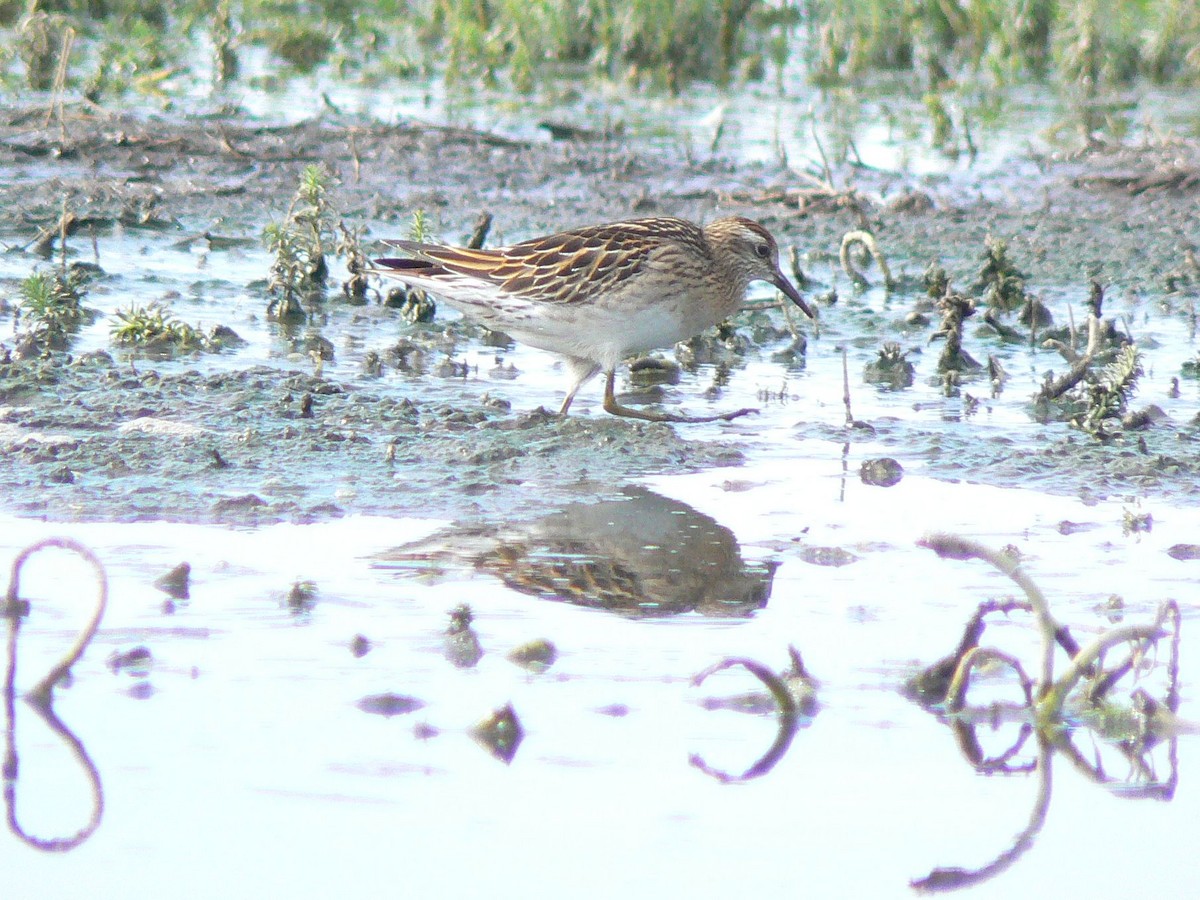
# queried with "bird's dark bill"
point(792, 294)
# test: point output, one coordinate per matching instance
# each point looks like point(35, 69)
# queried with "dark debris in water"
point(460, 644)
point(389, 705)
point(500, 733)
point(882, 472)
point(536, 656)
point(177, 582)
point(136, 661)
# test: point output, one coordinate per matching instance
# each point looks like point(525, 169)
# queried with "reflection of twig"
point(41, 697)
point(846, 389)
point(44, 709)
point(1156, 789)
point(955, 879)
point(968, 743)
point(788, 719)
point(43, 689)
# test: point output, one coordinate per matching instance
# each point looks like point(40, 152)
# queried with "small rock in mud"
point(244, 503)
point(882, 472)
point(1143, 418)
point(650, 370)
point(160, 428)
point(389, 704)
point(61, 475)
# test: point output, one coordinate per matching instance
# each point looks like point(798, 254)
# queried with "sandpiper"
point(599, 294)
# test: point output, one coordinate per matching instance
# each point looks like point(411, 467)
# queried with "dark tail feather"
point(420, 266)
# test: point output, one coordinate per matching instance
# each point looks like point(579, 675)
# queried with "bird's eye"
point(763, 251)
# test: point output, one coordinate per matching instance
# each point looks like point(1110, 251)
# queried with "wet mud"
point(98, 436)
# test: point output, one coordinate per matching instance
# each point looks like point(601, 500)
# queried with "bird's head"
point(752, 254)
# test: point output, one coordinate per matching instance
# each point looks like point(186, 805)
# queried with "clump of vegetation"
point(41, 40)
point(1090, 679)
point(52, 306)
point(1107, 393)
point(1000, 281)
point(1095, 392)
point(891, 369)
point(1080, 714)
point(1081, 40)
point(299, 244)
point(152, 328)
point(311, 231)
point(142, 46)
point(955, 309)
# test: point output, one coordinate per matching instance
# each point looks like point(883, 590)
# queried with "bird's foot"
point(617, 409)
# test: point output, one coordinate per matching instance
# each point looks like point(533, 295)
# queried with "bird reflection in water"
point(637, 554)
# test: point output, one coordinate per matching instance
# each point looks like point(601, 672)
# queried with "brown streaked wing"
point(568, 267)
point(575, 266)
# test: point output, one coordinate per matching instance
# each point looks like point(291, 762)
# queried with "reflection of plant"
point(1048, 696)
point(41, 697)
point(1052, 707)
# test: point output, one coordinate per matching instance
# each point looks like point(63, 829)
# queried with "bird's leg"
point(583, 370)
point(612, 406)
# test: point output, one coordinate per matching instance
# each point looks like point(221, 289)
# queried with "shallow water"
point(249, 747)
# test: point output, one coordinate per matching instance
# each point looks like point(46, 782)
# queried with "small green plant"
point(1108, 393)
point(52, 303)
point(40, 41)
point(1000, 282)
point(419, 230)
point(414, 304)
point(153, 328)
point(299, 244)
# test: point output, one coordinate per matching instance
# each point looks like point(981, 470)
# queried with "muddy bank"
point(91, 440)
point(100, 438)
point(1122, 215)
